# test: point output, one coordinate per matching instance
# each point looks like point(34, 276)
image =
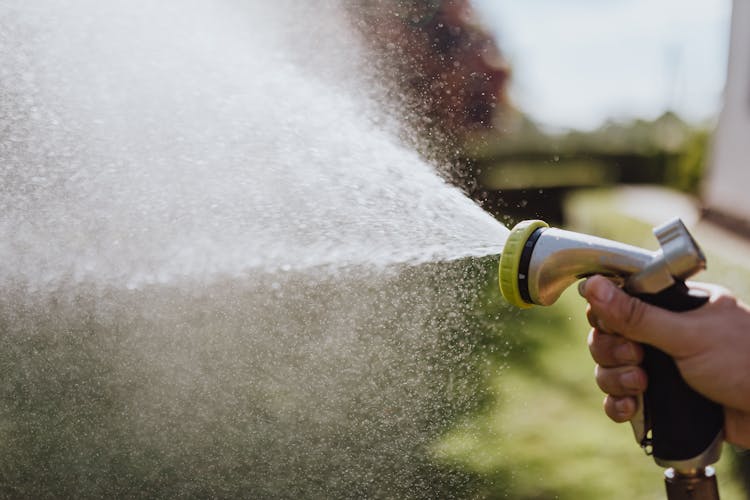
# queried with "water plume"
point(146, 143)
point(204, 222)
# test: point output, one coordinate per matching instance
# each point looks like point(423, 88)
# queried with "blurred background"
point(579, 64)
point(530, 100)
point(604, 117)
point(165, 125)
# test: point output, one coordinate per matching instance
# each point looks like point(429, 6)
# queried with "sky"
point(578, 63)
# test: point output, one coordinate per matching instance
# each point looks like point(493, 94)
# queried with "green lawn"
point(542, 433)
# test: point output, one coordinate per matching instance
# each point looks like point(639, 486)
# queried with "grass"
point(542, 433)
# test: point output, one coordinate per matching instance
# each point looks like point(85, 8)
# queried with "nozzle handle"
point(686, 428)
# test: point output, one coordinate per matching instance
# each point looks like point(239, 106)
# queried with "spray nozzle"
point(679, 427)
point(538, 262)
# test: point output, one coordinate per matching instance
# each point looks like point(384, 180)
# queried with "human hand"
point(710, 345)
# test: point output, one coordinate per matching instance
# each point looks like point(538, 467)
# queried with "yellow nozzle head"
point(510, 261)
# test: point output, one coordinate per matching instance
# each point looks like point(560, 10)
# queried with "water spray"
point(680, 428)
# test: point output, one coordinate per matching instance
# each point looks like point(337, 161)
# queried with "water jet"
point(217, 270)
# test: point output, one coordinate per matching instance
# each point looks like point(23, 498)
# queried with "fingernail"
point(582, 288)
point(631, 380)
point(622, 406)
point(625, 353)
point(601, 289)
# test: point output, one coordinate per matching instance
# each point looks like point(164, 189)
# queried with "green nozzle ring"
point(510, 261)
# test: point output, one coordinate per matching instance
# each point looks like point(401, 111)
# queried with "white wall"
point(728, 188)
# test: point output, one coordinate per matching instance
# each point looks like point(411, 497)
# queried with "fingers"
point(613, 310)
point(621, 380)
point(610, 350)
point(617, 373)
point(620, 409)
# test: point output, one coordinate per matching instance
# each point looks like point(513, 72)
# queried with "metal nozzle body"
point(539, 263)
point(559, 258)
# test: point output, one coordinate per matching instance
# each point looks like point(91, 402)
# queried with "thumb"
point(618, 312)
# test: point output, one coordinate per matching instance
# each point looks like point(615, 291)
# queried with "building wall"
point(727, 192)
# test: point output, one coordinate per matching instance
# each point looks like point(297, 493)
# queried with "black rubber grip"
point(683, 423)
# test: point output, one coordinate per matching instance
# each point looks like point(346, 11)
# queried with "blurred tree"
point(686, 174)
point(449, 73)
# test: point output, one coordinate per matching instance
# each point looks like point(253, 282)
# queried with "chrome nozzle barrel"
point(560, 258)
point(553, 259)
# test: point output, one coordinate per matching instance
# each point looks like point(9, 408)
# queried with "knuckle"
point(603, 346)
point(603, 379)
point(634, 352)
point(725, 301)
point(618, 409)
point(599, 348)
point(591, 317)
point(619, 381)
point(610, 409)
point(635, 312)
point(591, 340)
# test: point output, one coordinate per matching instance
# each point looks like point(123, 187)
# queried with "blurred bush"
point(527, 172)
point(686, 172)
